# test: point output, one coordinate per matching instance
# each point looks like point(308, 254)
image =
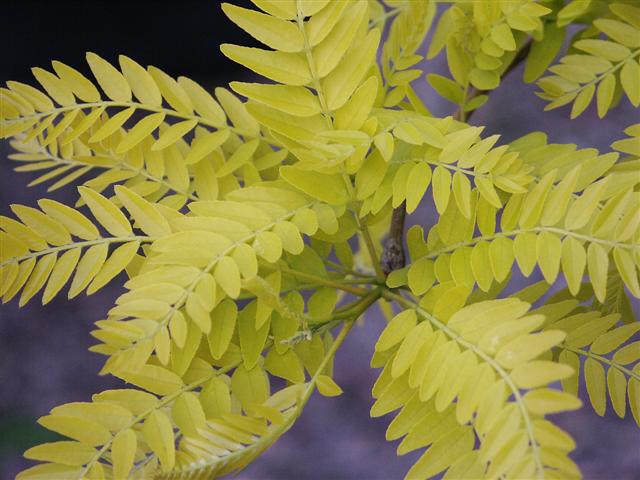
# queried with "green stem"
point(489, 360)
point(325, 281)
point(317, 86)
point(368, 240)
point(600, 358)
point(121, 165)
point(511, 233)
point(204, 271)
point(137, 106)
point(611, 71)
point(71, 246)
point(140, 417)
point(353, 310)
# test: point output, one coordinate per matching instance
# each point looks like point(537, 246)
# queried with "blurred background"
point(43, 351)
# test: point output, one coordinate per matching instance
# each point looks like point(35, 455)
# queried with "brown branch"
point(393, 256)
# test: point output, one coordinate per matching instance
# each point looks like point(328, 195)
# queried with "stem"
point(70, 246)
point(137, 106)
point(600, 358)
point(383, 18)
point(488, 359)
point(204, 271)
point(353, 310)
point(347, 271)
point(312, 68)
point(368, 240)
point(360, 292)
point(121, 166)
point(166, 400)
point(511, 233)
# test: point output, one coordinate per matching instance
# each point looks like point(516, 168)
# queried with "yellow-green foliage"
point(223, 210)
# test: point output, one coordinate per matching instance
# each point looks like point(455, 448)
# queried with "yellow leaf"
point(173, 133)
point(606, 90)
point(112, 125)
point(527, 347)
point(441, 188)
point(78, 83)
point(143, 86)
point(328, 188)
point(321, 24)
point(205, 144)
point(240, 157)
point(340, 84)
point(250, 386)
point(188, 415)
point(574, 260)
point(85, 431)
point(110, 79)
point(297, 101)
point(330, 51)
point(145, 214)
point(74, 221)
point(327, 386)
point(119, 259)
point(617, 385)
point(353, 114)
point(61, 272)
point(222, 328)
point(598, 267)
point(203, 102)
point(272, 31)
point(88, 268)
point(109, 216)
point(52, 230)
point(55, 87)
point(227, 276)
point(281, 67)
point(596, 385)
point(154, 379)
point(630, 83)
point(545, 401)
point(396, 330)
point(284, 9)
point(158, 433)
point(417, 184)
point(171, 91)
point(540, 372)
point(38, 277)
point(65, 452)
point(123, 452)
point(286, 365)
point(139, 132)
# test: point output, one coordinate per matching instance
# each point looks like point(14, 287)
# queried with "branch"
point(393, 256)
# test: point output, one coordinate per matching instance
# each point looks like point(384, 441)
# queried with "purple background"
point(43, 351)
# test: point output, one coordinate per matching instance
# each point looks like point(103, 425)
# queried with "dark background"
point(43, 351)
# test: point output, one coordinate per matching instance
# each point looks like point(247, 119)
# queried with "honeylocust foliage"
point(250, 221)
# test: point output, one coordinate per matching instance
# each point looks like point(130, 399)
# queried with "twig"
point(392, 257)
